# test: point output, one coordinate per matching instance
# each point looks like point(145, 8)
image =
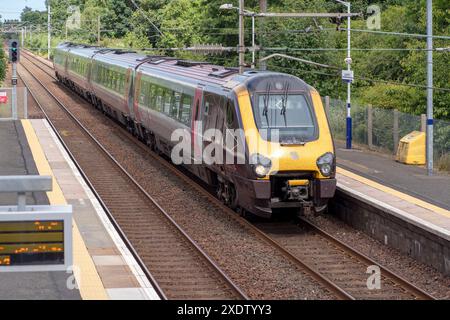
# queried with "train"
point(270, 127)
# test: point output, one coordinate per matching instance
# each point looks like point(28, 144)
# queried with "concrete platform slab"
point(97, 232)
point(397, 219)
point(103, 268)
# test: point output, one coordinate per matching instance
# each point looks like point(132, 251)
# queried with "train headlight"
point(261, 165)
point(325, 164)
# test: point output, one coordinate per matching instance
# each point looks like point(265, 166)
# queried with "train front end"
point(289, 145)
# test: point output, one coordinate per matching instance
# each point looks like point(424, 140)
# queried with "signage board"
point(347, 76)
point(3, 97)
point(38, 239)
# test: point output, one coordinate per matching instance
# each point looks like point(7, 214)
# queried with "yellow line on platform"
point(396, 193)
point(88, 280)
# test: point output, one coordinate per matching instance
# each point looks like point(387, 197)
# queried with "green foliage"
point(33, 17)
point(381, 74)
point(134, 40)
point(3, 66)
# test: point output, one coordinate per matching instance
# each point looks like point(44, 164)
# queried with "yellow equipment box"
point(411, 149)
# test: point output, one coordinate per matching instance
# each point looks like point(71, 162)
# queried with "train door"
point(128, 96)
point(90, 72)
point(213, 119)
point(196, 126)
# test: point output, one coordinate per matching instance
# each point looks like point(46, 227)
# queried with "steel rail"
point(386, 272)
point(341, 293)
point(129, 246)
point(207, 258)
point(324, 281)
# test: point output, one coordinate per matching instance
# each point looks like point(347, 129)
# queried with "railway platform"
point(104, 268)
point(408, 179)
point(397, 204)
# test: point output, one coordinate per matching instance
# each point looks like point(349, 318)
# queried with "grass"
point(444, 163)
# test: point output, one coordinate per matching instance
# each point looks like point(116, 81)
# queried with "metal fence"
point(381, 129)
point(7, 110)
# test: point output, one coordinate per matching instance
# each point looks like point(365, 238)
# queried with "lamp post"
point(243, 13)
point(49, 29)
point(348, 61)
point(241, 37)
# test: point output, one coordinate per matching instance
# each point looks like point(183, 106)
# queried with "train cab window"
point(185, 114)
point(291, 115)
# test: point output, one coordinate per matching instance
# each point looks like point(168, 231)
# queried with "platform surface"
point(404, 191)
point(412, 180)
point(16, 159)
point(104, 267)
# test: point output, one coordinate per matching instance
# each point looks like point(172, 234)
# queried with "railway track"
point(176, 265)
point(343, 265)
point(334, 264)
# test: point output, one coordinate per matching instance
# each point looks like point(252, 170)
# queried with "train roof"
point(82, 50)
point(184, 70)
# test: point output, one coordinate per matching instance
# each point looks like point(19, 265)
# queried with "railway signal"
point(14, 57)
point(14, 52)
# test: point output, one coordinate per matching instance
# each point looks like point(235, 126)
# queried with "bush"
point(444, 163)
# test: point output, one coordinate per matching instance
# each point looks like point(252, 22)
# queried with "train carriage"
point(73, 64)
point(112, 81)
point(288, 152)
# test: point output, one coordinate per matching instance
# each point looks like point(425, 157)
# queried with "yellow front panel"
point(287, 158)
point(296, 183)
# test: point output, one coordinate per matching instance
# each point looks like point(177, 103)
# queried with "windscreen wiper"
point(266, 104)
point(284, 103)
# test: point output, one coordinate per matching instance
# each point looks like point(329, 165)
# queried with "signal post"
point(14, 57)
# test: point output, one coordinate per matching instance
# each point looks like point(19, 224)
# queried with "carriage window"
point(230, 119)
point(142, 93)
point(149, 93)
point(159, 99)
point(151, 97)
point(121, 82)
point(185, 114)
point(175, 108)
point(214, 111)
point(167, 101)
point(111, 78)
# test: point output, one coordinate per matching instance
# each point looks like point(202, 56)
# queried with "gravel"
point(255, 266)
point(423, 276)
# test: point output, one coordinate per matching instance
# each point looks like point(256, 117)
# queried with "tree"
point(33, 17)
point(190, 22)
point(3, 66)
